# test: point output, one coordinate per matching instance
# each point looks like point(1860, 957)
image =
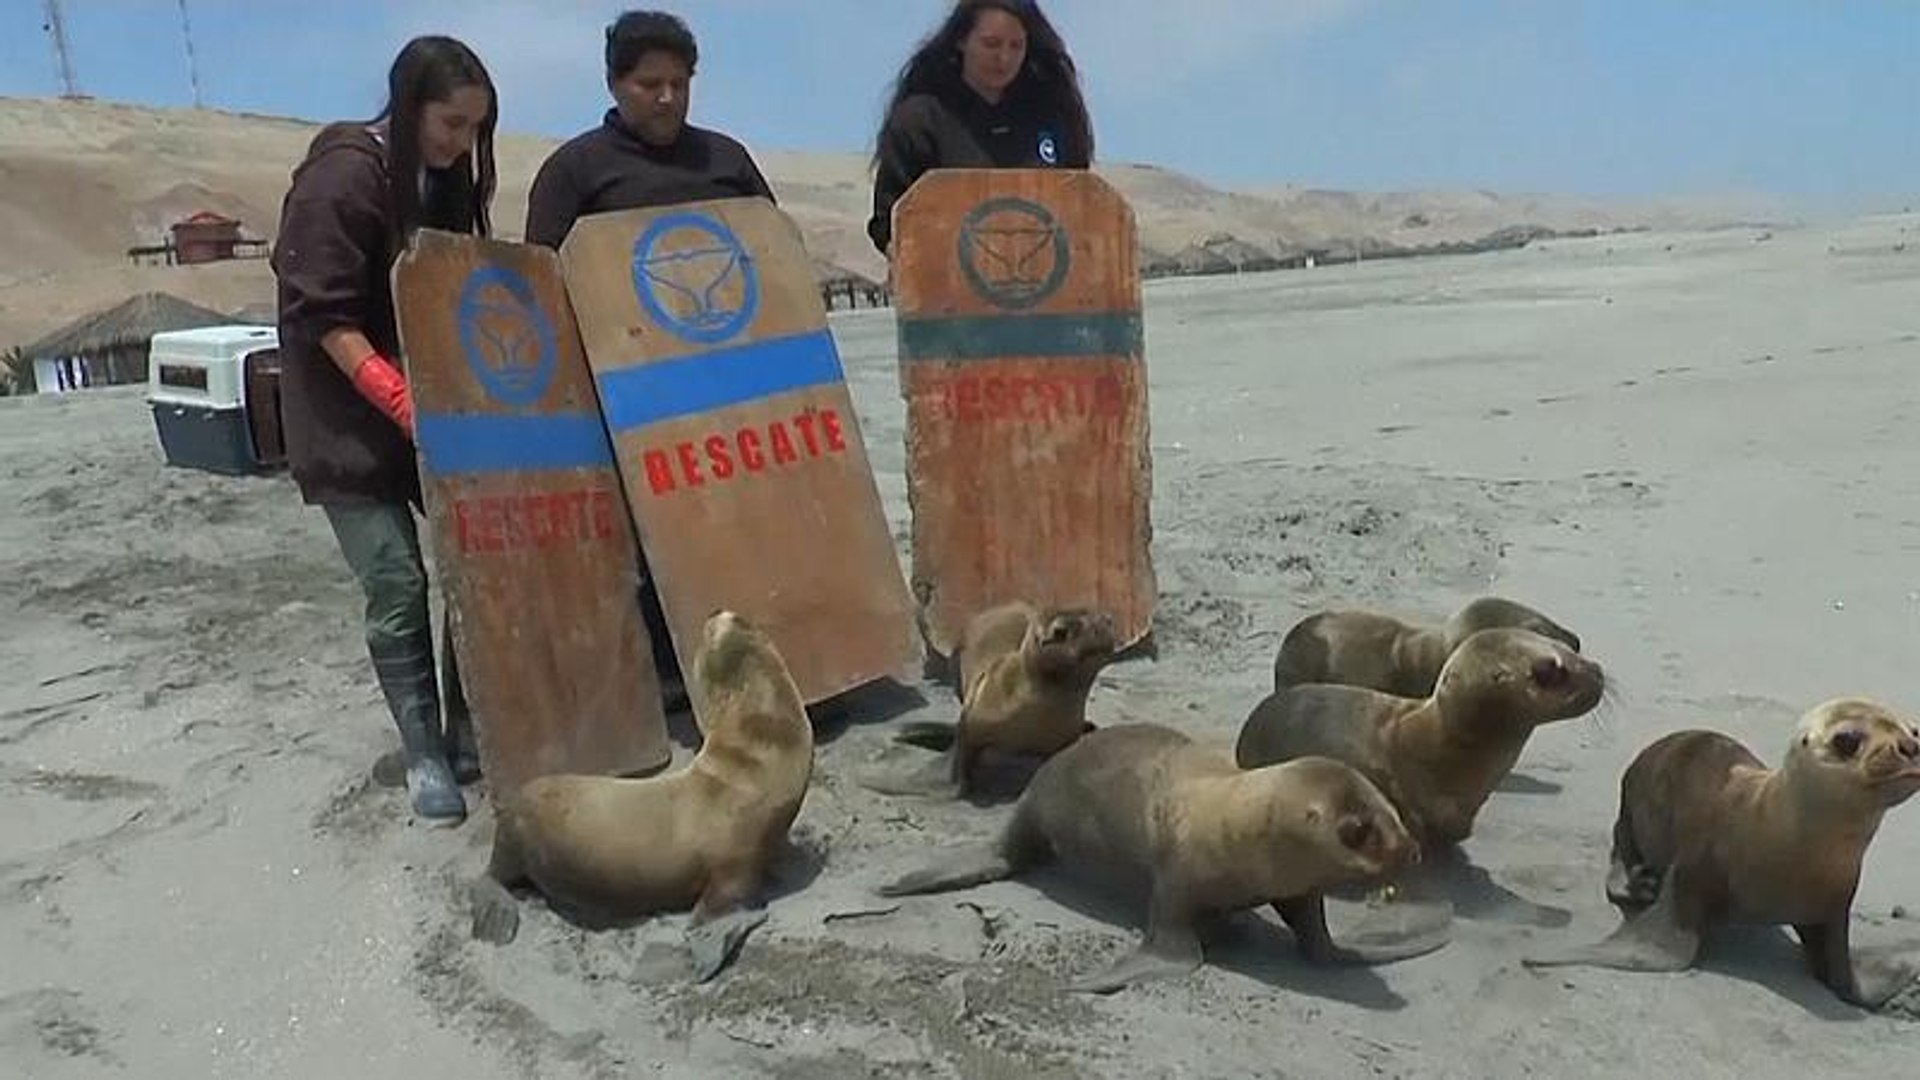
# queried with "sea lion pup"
point(702, 837)
point(1025, 675)
point(1367, 648)
point(1708, 835)
point(1437, 758)
point(1209, 838)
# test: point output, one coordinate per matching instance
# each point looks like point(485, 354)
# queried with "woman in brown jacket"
point(426, 160)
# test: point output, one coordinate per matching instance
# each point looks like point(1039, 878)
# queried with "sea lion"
point(1025, 675)
point(1707, 835)
point(1438, 757)
point(1209, 838)
point(702, 837)
point(1367, 648)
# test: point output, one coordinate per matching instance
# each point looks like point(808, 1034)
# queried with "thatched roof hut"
point(262, 313)
point(109, 346)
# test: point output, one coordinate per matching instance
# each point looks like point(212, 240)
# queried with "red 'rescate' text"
point(1043, 399)
point(534, 522)
point(723, 456)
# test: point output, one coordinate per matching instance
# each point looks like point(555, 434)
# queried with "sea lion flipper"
point(1402, 933)
point(714, 941)
point(1880, 980)
point(933, 780)
point(1869, 982)
point(1399, 930)
point(1171, 956)
point(1646, 942)
point(1653, 940)
point(964, 869)
point(1170, 949)
point(496, 918)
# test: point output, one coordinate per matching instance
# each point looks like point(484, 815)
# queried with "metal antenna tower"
point(56, 28)
point(193, 65)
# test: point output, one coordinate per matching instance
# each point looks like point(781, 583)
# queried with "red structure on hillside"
point(205, 237)
point(202, 238)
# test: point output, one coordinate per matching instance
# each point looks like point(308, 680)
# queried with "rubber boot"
point(463, 753)
point(407, 679)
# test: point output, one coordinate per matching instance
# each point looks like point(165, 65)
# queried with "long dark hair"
point(430, 68)
point(934, 67)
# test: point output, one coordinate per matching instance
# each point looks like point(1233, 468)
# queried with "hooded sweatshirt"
point(955, 128)
point(331, 261)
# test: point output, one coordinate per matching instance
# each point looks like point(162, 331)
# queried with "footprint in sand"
point(55, 1020)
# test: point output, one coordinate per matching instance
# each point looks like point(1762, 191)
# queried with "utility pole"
point(56, 28)
point(193, 65)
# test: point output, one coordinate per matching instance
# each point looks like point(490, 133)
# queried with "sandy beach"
point(1696, 449)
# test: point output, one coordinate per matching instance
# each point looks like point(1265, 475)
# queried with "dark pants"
point(382, 546)
point(665, 663)
point(381, 543)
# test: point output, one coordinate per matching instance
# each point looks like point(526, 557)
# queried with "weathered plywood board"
point(525, 515)
point(1023, 364)
point(737, 438)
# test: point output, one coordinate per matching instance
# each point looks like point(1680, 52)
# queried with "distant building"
point(202, 238)
point(109, 347)
point(205, 237)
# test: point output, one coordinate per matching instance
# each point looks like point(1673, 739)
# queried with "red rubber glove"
point(382, 384)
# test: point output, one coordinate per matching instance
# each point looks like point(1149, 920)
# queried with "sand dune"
point(82, 181)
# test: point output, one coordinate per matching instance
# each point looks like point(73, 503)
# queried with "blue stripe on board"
point(1094, 335)
point(490, 442)
point(705, 381)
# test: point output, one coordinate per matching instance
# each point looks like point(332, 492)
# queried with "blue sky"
point(1811, 100)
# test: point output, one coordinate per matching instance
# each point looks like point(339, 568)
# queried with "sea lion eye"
point(1549, 672)
point(1356, 832)
point(1846, 743)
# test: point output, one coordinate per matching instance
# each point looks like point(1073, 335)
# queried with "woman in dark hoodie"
point(993, 87)
point(426, 160)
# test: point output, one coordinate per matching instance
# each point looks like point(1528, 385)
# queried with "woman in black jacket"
point(426, 160)
point(993, 87)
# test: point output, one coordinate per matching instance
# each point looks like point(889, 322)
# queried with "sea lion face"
point(1865, 745)
point(1067, 640)
point(1354, 822)
point(1497, 613)
point(1517, 673)
point(725, 639)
